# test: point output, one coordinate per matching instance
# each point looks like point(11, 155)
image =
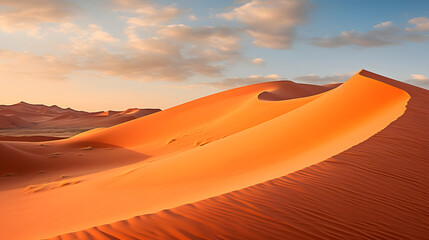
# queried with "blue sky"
point(117, 54)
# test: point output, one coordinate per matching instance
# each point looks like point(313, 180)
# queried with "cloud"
point(174, 53)
point(383, 24)
point(218, 37)
point(28, 14)
point(155, 45)
point(170, 53)
point(258, 61)
point(93, 33)
point(83, 38)
point(373, 38)
point(419, 80)
point(422, 24)
point(131, 4)
point(315, 79)
point(149, 14)
point(26, 66)
point(419, 77)
point(129, 66)
point(383, 34)
point(271, 23)
point(157, 58)
point(153, 16)
point(237, 82)
point(146, 66)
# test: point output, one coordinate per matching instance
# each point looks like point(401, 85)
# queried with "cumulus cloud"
point(422, 24)
point(26, 66)
point(419, 80)
point(173, 53)
point(176, 52)
point(318, 80)
point(28, 14)
point(237, 82)
point(382, 34)
point(271, 23)
point(201, 50)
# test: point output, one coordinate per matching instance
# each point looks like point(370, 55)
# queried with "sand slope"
point(231, 141)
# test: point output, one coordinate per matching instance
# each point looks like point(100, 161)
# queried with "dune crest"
point(202, 149)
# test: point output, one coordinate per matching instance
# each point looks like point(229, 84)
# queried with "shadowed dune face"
point(295, 90)
point(258, 162)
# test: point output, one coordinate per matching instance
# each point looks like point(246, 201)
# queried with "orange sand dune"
point(226, 148)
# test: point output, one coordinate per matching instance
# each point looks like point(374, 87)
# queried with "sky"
point(118, 54)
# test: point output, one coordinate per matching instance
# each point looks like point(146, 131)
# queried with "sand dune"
point(25, 117)
point(267, 161)
point(13, 122)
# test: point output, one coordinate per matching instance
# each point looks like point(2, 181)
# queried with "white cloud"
point(271, 23)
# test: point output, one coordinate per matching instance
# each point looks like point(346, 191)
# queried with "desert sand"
point(276, 160)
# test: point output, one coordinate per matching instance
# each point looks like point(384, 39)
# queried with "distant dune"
point(276, 160)
point(59, 122)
